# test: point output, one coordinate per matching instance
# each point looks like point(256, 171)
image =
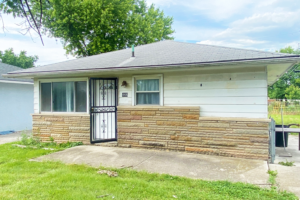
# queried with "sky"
point(252, 24)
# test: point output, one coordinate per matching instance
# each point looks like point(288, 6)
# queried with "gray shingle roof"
point(5, 68)
point(158, 54)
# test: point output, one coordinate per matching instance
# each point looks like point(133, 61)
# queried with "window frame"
point(85, 79)
point(144, 77)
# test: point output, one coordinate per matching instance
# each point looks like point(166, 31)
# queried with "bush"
point(29, 139)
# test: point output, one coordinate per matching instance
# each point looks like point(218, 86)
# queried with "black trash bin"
point(279, 139)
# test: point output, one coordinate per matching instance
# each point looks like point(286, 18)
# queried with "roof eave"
point(286, 59)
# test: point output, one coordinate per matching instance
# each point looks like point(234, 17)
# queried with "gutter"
point(17, 82)
point(150, 66)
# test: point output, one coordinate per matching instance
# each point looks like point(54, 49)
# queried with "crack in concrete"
point(143, 161)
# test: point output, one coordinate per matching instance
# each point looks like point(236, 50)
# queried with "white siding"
point(16, 106)
point(225, 92)
point(125, 101)
point(233, 94)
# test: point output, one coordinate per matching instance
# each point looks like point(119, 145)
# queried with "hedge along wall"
point(181, 129)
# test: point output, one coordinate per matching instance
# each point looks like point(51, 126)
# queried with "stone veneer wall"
point(63, 128)
point(181, 129)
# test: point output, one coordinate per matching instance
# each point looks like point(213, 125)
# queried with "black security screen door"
point(103, 104)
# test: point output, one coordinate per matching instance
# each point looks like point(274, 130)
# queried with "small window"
point(147, 92)
point(63, 97)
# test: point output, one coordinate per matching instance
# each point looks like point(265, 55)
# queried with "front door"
point(103, 101)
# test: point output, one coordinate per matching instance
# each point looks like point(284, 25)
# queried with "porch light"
point(124, 84)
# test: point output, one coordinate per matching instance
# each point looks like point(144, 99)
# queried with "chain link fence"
point(289, 106)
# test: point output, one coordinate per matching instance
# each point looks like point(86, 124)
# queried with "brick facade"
point(181, 129)
point(62, 128)
point(167, 128)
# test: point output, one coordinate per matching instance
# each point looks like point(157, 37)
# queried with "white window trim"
point(64, 80)
point(152, 76)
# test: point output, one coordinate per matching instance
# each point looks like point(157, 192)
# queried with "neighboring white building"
point(16, 101)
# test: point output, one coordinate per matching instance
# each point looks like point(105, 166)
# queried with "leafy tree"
point(292, 92)
point(21, 60)
point(279, 89)
point(89, 27)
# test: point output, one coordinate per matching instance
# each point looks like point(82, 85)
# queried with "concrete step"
point(112, 144)
point(107, 144)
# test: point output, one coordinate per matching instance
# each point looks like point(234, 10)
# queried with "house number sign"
point(124, 94)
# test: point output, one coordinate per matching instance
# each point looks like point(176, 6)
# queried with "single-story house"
point(16, 101)
point(165, 95)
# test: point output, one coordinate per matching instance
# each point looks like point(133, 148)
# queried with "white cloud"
point(238, 43)
point(221, 43)
point(214, 9)
point(240, 30)
point(294, 44)
point(51, 52)
point(186, 32)
point(249, 41)
point(275, 19)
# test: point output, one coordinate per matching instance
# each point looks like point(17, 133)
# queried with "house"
point(16, 101)
point(165, 95)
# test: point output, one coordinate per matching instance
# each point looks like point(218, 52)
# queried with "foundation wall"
point(166, 128)
point(62, 128)
point(181, 129)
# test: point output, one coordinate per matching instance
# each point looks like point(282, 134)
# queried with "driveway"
point(174, 163)
point(288, 178)
point(12, 137)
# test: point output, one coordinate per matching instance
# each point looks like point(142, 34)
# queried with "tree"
point(279, 89)
point(26, 9)
point(21, 60)
point(89, 27)
point(292, 92)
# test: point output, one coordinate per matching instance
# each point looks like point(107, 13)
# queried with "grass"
point(287, 119)
point(287, 163)
point(272, 177)
point(29, 141)
point(22, 179)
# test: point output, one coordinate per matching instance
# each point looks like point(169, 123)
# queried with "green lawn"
point(22, 179)
point(287, 119)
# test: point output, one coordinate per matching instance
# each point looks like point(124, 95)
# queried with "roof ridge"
point(105, 53)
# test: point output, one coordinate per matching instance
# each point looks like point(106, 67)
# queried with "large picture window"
point(64, 96)
point(148, 90)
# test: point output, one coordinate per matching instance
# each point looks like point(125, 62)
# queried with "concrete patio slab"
point(288, 178)
point(174, 163)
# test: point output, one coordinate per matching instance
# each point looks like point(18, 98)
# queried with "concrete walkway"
point(288, 177)
point(174, 163)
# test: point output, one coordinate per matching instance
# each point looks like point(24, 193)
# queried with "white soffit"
point(275, 71)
